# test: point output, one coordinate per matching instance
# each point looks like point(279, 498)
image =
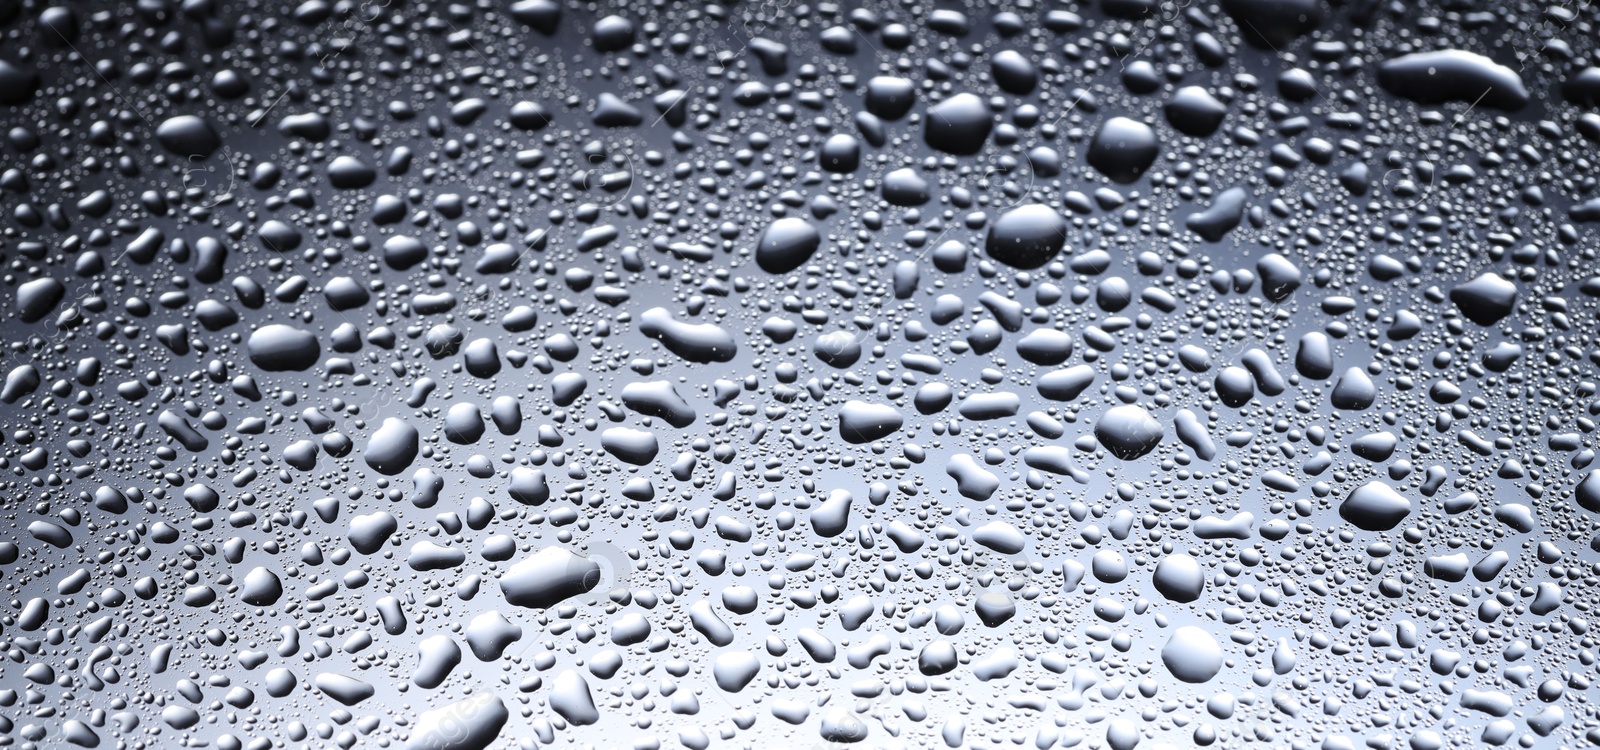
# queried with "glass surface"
point(527, 373)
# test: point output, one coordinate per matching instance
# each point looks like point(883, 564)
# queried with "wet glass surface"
point(517, 373)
